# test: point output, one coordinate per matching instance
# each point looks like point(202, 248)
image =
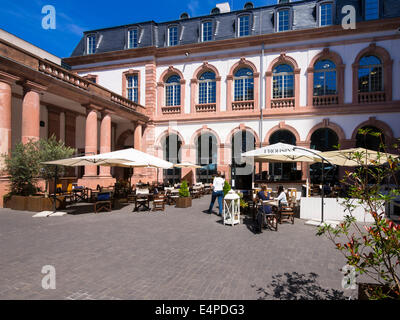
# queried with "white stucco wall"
point(112, 79)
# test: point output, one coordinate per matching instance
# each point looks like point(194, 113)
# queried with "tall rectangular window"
point(172, 36)
point(244, 26)
point(206, 31)
point(283, 20)
point(132, 88)
point(132, 38)
point(91, 44)
point(325, 14)
point(371, 9)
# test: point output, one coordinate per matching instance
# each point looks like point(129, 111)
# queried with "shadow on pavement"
point(296, 286)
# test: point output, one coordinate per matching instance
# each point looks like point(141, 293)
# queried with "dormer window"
point(371, 9)
point(215, 11)
point(206, 31)
point(325, 14)
point(283, 20)
point(91, 44)
point(133, 38)
point(244, 26)
point(172, 36)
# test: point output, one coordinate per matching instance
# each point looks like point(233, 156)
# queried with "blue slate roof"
point(262, 21)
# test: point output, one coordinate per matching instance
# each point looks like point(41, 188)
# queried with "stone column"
point(31, 112)
point(91, 139)
point(6, 80)
point(305, 166)
point(105, 141)
point(62, 126)
point(137, 144)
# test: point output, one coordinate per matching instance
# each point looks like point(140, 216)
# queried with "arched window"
point(172, 153)
point(244, 85)
point(207, 88)
point(173, 91)
point(285, 170)
point(207, 157)
point(370, 141)
point(323, 139)
point(370, 74)
point(325, 78)
point(283, 82)
point(242, 171)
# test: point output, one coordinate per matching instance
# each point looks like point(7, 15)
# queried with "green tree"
point(24, 164)
point(184, 190)
point(374, 250)
point(51, 149)
point(227, 188)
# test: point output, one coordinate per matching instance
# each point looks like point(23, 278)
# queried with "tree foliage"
point(374, 250)
point(24, 164)
point(184, 190)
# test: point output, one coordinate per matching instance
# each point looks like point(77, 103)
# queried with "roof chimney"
point(223, 7)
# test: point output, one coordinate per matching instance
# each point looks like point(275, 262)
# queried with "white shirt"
point(282, 197)
point(218, 184)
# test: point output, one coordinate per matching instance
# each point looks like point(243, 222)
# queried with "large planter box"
point(365, 289)
point(182, 202)
point(34, 203)
point(18, 203)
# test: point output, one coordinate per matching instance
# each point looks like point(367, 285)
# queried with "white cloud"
point(193, 7)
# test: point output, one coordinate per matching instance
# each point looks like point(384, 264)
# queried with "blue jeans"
point(220, 196)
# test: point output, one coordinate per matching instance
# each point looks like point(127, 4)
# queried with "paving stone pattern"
point(176, 254)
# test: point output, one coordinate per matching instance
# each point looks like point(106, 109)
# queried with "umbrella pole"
point(55, 191)
point(322, 193)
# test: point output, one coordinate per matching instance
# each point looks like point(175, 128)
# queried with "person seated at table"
point(282, 199)
point(263, 209)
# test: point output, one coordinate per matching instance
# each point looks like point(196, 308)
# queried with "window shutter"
point(314, 13)
point(273, 19)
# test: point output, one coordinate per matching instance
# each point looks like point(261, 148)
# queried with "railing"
point(243, 105)
point(371, 97)
point(123, 101)
point(206, 107)
point(171, 110)
point(282, 103)
point(325, 100)
point(63, 75)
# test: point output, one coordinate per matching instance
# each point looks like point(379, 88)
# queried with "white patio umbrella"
point(124, 158)
point(282, 152)
point(368, 157)
point(187, 165)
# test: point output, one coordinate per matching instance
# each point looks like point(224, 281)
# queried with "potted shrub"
point(184, 200)
point(24, 166)
point(227, 188)
point(372, 250)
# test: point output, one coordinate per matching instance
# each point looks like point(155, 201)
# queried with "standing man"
point(218, 192)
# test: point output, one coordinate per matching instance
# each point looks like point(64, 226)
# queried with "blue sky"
point(23, 18)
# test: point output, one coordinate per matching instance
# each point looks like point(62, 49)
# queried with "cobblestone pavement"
point(176, 254)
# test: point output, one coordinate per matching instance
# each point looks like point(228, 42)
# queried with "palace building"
point(205, 89)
